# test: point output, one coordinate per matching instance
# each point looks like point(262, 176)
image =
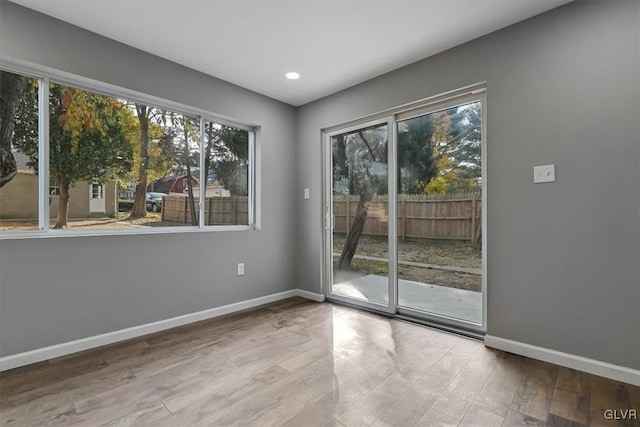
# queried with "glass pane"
point(361, 220)
point(116, 164)
point(175, 194)
point(439, 216)
point(19, 200)
point(226, 157)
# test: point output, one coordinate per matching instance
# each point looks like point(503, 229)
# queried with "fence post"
point(472, 233)
point(348, 209)
point(235, 210)
point(186, 207)
point(208, 218)
point(403, 219)
point(478, 236)
point(164, 208)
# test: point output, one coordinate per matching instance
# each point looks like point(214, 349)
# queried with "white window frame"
point(54, 190)
point(46, 75)
point(100, 192)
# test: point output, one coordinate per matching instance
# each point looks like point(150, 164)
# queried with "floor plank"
point(516, 419)
point(478, 417)
point(463, 389)
point(365, 411)
point(498, 392)
point(433, 418)
point(201, 406)
point(535, 393)
point(338, 400)
point(609, 395)
point(411, 406)
point(455, 359)
point(572, 396)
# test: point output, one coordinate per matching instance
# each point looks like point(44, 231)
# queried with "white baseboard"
point(46, 353)
point(310, 295)
point(596, 367)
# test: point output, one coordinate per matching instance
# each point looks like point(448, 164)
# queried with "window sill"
point(39, 234)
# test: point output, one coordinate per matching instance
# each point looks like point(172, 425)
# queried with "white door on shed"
point(96, 199)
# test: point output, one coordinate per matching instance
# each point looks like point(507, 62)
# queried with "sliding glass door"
point(357, 215)
point(439, 181)
point(404, 215)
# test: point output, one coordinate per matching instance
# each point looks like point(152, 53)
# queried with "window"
point(54, 187)
point(97, 191)
point(117, 162)
point(19, 145)
point(226, 164)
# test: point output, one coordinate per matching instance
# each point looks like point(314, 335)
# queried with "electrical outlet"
point(545, 173)
point(306, 193)
point(241, 269)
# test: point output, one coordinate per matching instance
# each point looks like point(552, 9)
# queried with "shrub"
point(125, 205)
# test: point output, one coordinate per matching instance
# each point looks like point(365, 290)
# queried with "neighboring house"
point(19, 198)
point(171, 184)
point(376, 169)
point(127, 193)
point(214, 189)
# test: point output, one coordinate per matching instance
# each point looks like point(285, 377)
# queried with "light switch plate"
point(241, 269)
point(306, 193)
point(544, 173)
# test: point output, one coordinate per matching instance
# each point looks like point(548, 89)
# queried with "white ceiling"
point(333, 44)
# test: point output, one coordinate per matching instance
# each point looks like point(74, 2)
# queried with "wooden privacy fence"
point(420, 216)
point(217, 210)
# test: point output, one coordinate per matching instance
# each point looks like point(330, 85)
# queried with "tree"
point(12, 88)
point(226, 154)
point(161, 150)
point(186, 136)
point(87, 141)
point(355, 155)
point(139, 208)
point(458, 151)
point(416, 163)
point(153, 154)
point(186, 129)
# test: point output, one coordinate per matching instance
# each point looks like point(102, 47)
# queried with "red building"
point(169, 185)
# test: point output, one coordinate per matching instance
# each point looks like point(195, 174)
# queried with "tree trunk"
point(478, 238)
point(12, 87)
point(192, 203)
point(207, 153)
point(355, 231)
point(139, 208)
point(363, 183)
point(63, 205)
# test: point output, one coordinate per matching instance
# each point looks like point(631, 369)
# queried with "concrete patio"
point(457, 303)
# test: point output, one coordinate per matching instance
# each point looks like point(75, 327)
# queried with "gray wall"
point(562, 257)
point(60, 289)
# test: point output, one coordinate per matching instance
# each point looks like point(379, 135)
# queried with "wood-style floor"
point(299, 363)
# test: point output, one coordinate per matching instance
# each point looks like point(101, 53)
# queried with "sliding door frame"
point(437, 318)
point(466, 95)
point(329, 220)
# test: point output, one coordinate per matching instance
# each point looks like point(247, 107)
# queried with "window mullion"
point(203, 177)
point(43, 153)
point(251, 183)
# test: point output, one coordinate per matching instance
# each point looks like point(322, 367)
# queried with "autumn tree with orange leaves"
point(89, 139)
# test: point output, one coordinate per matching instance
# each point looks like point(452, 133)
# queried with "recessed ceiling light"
point(292, 75)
